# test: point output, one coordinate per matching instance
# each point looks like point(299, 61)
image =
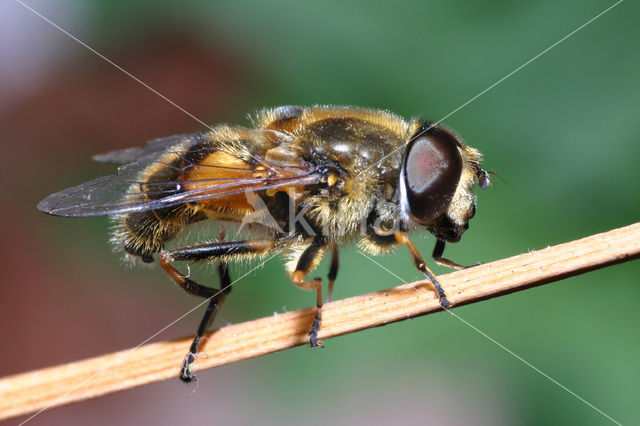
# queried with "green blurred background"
point(562, 131)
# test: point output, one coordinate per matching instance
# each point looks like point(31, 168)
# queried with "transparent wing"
point(129, 155)
point(126, 192)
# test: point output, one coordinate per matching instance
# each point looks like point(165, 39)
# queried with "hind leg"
point(221, 252)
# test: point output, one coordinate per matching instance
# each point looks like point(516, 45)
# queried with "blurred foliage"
point(563, 134)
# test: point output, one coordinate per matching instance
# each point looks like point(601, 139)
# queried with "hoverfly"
point(304, 181)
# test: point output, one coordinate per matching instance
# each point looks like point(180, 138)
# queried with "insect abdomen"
point(143, 234)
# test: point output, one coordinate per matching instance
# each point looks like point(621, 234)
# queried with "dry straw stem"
point(49, 387)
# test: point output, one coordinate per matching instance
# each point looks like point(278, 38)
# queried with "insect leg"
point(333, 272)
point(437, 256)
point(308, 259)
point(403, 238)
point(222, 252)
point(186, 374)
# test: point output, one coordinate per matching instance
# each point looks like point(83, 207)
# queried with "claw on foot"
point(185, 373)
point(313, 339)
point(315, 343)
point(444, 302)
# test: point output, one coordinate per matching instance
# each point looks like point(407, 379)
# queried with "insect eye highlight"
point(431, 169)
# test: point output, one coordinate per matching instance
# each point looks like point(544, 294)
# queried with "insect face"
point(438, 171)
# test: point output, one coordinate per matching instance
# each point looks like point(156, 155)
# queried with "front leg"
point(438, 250)
point(307, 261)
point(403, 238)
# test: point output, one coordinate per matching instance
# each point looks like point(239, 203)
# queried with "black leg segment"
point(214, 304)
point(333, 273)
point(438, 250)
point(215, 251)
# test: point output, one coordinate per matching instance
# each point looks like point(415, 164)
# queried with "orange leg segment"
point(403, 238)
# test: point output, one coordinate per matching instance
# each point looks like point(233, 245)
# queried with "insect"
point(303, 182)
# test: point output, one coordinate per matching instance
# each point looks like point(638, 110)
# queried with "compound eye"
point(432, 167)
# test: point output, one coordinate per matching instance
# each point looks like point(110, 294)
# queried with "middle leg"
point(333, 273)
point(307, 261)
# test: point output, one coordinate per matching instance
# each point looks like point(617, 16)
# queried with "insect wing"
point(129, 155)
point(129, 191)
